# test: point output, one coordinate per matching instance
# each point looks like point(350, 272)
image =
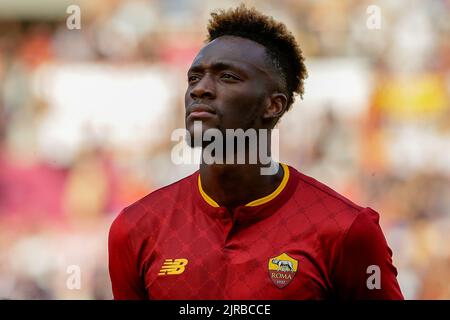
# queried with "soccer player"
point(229, 232)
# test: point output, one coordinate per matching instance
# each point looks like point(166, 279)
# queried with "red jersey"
point(303, 241)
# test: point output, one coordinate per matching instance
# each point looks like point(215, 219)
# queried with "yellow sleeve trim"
point(256, 202)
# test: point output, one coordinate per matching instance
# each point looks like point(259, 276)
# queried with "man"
point(230, 232)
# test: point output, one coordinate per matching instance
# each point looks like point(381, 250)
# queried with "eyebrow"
point(219, 65)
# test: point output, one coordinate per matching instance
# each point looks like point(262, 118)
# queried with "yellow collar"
point(253, 203)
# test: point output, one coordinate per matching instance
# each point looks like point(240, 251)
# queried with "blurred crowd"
point(374, 125)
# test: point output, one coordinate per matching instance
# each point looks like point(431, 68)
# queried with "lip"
point(201, 111)
point(200, 114)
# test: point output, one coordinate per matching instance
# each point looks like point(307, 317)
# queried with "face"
point(231, 85)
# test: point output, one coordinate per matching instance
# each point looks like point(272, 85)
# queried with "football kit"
point(302, 241)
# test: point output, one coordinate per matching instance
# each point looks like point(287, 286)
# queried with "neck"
point(232, 185)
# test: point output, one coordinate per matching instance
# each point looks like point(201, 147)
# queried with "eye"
point(193, 78)
point(228, 76)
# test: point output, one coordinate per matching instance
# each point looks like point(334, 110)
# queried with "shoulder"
point(152, 206)
point(321, 192)
point(328, 210)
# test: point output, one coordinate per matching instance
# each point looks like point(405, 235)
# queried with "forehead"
point(244, 52)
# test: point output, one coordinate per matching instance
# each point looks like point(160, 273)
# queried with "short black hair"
point(284, 52)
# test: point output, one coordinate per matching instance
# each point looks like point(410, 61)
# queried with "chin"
point(196, 133)
point(202, 126)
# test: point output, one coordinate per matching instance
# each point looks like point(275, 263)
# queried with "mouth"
point(201, 111)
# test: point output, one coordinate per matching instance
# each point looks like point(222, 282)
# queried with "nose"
point(204, 88)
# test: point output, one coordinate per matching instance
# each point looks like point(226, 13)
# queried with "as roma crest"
point(282, 270)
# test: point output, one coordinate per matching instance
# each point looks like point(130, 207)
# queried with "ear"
point(276, 106)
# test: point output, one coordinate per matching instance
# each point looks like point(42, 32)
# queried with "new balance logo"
point(171, 266)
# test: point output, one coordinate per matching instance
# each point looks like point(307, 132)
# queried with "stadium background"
point(86, 117)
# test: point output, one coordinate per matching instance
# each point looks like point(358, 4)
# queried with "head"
point(246, 75)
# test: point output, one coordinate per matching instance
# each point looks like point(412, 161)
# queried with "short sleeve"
point(123, 268)
point(363, 267)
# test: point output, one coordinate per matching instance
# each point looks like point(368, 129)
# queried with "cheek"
point(187, 98)
point(243, 105)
